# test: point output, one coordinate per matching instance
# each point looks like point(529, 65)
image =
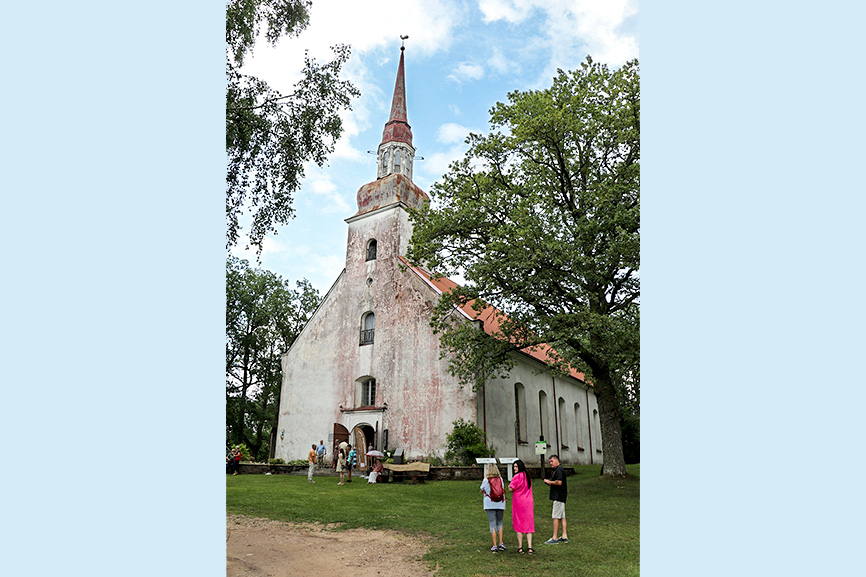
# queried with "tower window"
point(368, 328)
point(397, 156)
point(368, 393)
point(371, 250)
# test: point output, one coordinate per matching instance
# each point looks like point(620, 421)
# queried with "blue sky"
point(461, 58)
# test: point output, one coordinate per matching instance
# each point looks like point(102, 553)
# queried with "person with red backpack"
point(494, 503)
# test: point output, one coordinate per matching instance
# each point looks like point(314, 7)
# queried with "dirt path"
point(261, 547)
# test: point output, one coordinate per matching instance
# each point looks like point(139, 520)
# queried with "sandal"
point(531, 551)
point(520, 550)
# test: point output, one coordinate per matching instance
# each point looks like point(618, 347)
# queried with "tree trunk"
point(609, 417)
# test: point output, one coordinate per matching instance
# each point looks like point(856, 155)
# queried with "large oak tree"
point(542, 219)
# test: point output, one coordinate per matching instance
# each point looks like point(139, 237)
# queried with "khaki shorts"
point(558, 510)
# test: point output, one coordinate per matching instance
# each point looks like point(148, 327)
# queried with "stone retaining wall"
point(435, 474)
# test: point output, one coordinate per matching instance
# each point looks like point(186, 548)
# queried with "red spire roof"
point(397, 128)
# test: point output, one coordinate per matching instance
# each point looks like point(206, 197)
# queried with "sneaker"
point(564, 540)
point(494, 549)
point(551, 541)
point(502, 546)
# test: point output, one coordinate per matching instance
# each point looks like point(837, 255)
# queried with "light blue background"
point(113, 165)
point(113, 183)
point(752, 306)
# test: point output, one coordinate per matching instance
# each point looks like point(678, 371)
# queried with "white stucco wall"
point(579, 440)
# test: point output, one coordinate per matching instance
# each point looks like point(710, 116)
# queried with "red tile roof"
point(489, 316)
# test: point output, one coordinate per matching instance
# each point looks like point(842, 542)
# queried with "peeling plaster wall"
point(321, 370)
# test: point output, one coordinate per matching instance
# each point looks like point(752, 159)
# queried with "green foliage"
point(263, 318)
point(298, 463)
point(542, 218)
point(275, 461)
point(245, 452)
point(434, 459)
point(270, 135)
point(603, 520)
point(465, 443)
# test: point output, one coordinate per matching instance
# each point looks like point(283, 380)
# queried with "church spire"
point(393, 185)
point(397, 128)
point(396, 153)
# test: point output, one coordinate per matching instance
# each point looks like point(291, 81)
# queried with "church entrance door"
point(341, 434)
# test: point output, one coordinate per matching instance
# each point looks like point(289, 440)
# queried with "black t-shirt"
point(558, 492)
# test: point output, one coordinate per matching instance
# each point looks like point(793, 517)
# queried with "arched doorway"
point(364, 435)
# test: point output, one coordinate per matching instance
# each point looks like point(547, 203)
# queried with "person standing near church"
point(320, 454)
point(351, 461)
point(312, 459)
point(522, 506)
point(558, 493)
point(340, 460)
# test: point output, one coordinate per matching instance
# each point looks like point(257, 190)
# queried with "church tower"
point(381, 226)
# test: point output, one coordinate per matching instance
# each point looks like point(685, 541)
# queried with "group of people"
point(346, 459)
point(523, 504)
point(233, 460)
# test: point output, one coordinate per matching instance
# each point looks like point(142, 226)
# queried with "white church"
point(366, 368)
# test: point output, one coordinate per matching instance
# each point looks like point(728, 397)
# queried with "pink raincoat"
point(522, 505)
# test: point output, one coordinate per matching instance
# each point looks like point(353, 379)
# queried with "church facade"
point(366, 368)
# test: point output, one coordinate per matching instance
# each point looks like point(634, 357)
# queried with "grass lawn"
point(603, 520)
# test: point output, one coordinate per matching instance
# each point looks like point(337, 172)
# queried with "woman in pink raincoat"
point(522, 506)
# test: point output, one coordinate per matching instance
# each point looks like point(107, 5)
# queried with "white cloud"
point(455, 110)
point(572, 29)
point(597, 25)
point(499, 62)
point(451, 132)
point(373, 25)
point(326, 195)
point(436, 164)
point(513, 11)
point(467, 71)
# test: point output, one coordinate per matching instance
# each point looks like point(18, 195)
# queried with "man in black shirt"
point(558, 493)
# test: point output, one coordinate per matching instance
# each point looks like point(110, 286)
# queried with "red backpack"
point(497, 491)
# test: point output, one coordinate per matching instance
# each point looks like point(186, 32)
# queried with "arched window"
point(563, 424)
point(368, 393)
point(397, 157)
point(365, 391)
point(520, 412)
point(371, 250)
point(543, 414)
point(368, 328)
point(578, 417)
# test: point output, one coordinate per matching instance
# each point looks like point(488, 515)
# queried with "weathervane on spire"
point(402, 42)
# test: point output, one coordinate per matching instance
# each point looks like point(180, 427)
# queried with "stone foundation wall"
point(436, 473)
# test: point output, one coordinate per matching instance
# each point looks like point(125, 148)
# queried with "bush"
point(466, 443)
point(299, 462)
point(276, 461)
